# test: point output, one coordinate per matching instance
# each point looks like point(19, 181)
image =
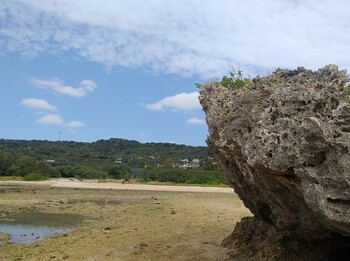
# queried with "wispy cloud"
point(195, 121)
point(53, 119)
point(182, 37)
point(56, 85)
point(39, 104)
point(179, 102)
point(75, 124)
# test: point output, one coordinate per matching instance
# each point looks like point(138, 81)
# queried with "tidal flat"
point(123, 224)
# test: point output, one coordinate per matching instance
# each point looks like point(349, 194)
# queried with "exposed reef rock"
point(284, 144)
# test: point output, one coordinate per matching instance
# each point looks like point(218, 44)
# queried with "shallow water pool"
point(30, 226)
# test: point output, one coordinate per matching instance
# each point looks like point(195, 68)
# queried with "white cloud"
point(182, 37)
point(57, 86)
point(195, 121)
point(38, 104)
point(75, 124)
point(53, 119)
point(88, 85)
point(181, 102)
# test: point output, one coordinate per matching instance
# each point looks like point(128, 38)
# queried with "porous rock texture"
point(284, 144)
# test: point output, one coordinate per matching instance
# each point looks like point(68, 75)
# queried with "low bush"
point(82, 172)
point(35, 177)
point(177, 175)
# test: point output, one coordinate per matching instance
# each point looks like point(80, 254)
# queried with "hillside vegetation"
point(113, 158)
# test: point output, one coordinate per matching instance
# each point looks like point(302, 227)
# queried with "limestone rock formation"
point(284, 144)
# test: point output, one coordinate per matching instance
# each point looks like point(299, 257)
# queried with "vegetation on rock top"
point(237, 82)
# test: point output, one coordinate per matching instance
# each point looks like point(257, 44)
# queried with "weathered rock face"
point(284, 144)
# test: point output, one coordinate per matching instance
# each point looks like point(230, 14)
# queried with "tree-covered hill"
point(102, 152)
point(113, 158)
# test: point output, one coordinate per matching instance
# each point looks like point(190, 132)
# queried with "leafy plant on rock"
point(347, 90)
point(234, 81)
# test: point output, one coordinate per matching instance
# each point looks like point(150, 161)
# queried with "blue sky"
point(95, 69)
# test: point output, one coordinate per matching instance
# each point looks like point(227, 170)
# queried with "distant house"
point(51, 161)
point(195, 163)
point(184, 164)
point(118, 161)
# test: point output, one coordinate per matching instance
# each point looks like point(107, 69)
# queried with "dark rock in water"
point(284, 144)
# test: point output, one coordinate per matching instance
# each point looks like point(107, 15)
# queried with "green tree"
point(168, 163)
point(136, 162)
point(83, 172)
point(66, 171)
point(89, 173)
point(177, 175)
point(5, 163)
point(22, 166)
point(119, 171)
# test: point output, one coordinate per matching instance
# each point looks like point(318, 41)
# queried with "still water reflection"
point(29, 226)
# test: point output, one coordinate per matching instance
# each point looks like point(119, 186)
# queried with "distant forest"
point(113, 158)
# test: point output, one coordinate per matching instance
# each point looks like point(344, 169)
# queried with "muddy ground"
point(124, 224)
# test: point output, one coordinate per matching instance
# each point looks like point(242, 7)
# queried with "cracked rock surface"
point(284, 144)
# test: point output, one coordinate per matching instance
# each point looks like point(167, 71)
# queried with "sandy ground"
point(74, 183)
point(125, 222)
